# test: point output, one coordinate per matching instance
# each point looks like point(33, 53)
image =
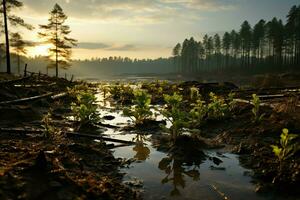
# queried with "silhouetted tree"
point(245, 35)
point(258, 39)
point(9, 18)
point(56, 33)
point(269, 46)
point(226, 41)
point(176, 55)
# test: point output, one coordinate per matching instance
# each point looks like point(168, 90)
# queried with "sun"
point(40, 50)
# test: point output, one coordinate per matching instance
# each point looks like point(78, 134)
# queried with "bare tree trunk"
point(56, 51)
point(6, 38)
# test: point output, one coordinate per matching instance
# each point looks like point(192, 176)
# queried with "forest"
point(268, 46)
point(218, 119)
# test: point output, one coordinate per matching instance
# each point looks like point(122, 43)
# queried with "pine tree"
point(258, 39)
point(176, 55)
point(7, 7)
point(226, 41)
point(246, 35)
point(56, 33)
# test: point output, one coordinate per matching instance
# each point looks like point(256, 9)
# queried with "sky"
point(146, 28)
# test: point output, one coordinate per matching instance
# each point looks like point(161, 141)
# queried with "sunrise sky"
point(146, 28)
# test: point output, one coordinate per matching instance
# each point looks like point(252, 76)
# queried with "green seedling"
point(85, 109)
point(194, 94)
point(175, 114)
point(198, 113)
point(217, 108)
point(257, 117)
point(231, 101)
point(140, 111)
point(49, 129)
point(287, 147)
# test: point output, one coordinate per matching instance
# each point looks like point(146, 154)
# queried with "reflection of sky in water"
point(231, 181)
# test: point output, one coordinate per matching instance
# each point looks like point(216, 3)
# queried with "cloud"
point(108, 47)
point(91, 45)
point(134, 11)
point(127, 47)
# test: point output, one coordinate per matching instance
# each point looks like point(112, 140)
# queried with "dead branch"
point(98, 137)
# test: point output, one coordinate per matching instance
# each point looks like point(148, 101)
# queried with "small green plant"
point(175, 114)
point(198, 113)
point(85, 109)
point(49, 130)
point(121, 92)
point(231, 101)
point(287, 147)
point(77, 89)
point(217, 108)
point(141, 108)
point(257, 117)
point(194, 94)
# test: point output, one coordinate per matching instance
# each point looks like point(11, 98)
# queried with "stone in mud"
point(217, 168)
point(108, 117)
point(216, 160)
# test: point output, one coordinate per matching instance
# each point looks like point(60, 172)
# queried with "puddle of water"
point(165, 176)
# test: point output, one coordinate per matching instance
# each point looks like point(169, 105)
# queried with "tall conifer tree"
point(56, 33)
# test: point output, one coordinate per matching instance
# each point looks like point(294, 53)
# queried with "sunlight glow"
point(40, 50)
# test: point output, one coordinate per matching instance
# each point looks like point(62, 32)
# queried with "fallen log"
point(60, 95)
point(69, 134)
point(253, 90)
point(23, 100)
point(98, 137)
point(21, 130)
point(36, 86)
point(28, 99)
point(106, 125)
point(117, 146)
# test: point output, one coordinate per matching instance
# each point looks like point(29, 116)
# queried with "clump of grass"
point(140, 111)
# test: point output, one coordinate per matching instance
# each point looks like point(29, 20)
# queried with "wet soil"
point(57, 167)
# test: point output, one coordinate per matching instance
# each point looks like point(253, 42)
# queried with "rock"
point(217, 168)
point(216, 160)
point(108, 117)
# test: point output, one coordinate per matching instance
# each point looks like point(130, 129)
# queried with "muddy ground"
point(58, 167)
point(61, 167)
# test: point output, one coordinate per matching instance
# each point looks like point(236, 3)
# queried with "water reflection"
point(141, 149)
point(177, 167)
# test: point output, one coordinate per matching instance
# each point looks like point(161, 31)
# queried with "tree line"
point(105, 67)
point(267, 46)
point(55, 32)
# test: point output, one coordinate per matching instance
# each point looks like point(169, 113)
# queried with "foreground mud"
point(39, 166)
point(34, 166)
